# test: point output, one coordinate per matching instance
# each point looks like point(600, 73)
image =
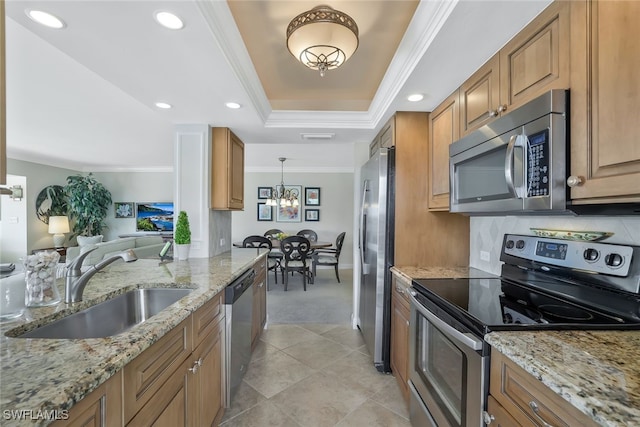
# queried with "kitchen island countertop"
point(595, 371)
point(48, 375)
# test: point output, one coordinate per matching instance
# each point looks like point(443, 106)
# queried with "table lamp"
point(58, 225)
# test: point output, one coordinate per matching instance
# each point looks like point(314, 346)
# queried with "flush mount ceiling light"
point(45, 18)
point(168, 20)
point(317, 135)
point(233, 105)
point(322, 38)
point(415, 97)
point(163, 105)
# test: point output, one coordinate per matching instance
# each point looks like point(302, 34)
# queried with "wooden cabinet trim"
point(148, 372)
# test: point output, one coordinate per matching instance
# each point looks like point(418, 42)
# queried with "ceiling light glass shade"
point(169, 20)
point(45, 18)
point(322, 38)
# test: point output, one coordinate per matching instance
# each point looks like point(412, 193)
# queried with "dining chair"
point(328, 256)
point(296, 250)
point(309, 234)
point(262, 242)
point(275, 254)
point(271, 234)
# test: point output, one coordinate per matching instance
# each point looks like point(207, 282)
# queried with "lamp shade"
point(58, 224)
point(322, 38)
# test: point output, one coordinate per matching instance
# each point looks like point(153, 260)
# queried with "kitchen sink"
point(112, 316)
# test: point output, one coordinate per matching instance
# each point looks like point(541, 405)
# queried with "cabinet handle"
point(261, 284)
point(399, 289)
point(536, 411)
point(502, 108)
point(487, 417)
point(195, 366)
point(575, 181)
point(493, 113)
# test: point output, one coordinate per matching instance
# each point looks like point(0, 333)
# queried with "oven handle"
point(465, 338)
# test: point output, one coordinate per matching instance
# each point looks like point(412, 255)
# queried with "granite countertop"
point(595, 371)
point(409, 273)
point(51, 375)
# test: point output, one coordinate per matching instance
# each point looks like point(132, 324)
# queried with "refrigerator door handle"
point(363, 224)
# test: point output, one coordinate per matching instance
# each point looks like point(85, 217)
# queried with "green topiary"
point(182, 235)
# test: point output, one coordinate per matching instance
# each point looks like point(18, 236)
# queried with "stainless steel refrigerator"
point(376, 242)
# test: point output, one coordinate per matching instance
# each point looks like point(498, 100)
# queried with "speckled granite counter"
point(595, 371)
point(48, 374)
point(410, 273)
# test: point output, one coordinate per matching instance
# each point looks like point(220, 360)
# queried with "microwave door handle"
point(508, 164)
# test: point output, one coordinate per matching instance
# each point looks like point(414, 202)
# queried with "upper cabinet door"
point(480, 97)
point(605, 101)
point(227, 170)
point(443, 131)
point(537, 59)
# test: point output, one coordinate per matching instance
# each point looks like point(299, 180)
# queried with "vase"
point(182, 251)
point(40, 279)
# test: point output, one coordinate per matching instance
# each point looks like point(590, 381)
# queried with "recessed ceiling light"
point(169, 20)
point(415, 97)
point(45, 18)
point(163, 105)
point(233, 105)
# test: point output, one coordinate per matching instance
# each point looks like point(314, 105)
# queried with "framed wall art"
point(264, 193)
point(312, 196)
point(124, 209)
point(312, 214)
point(290, 213)
point(265, 213)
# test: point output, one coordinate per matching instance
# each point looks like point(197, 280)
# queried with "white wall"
point(336, 208)
point(487, 232)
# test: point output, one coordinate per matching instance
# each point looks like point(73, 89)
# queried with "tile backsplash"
point(487, 233)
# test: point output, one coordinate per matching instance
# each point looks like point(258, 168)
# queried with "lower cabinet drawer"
point(528, 400)
point(147, 373)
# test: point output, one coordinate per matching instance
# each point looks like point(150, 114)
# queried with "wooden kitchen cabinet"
point(499, 416)
point(178, 381)
point(259, 317)
point(400, 333)
point(444, 129)
point(518, 393)
point(385, 138)
point(227, 170)
point(101, 408)
point(605, 101)
point(536, 60)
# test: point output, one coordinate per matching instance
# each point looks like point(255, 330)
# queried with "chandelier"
point(280, 195)
point(322, 38)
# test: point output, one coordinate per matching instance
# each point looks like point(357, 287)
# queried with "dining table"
point(275, 244)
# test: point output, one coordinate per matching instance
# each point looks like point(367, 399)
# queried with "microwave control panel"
point(538, 164)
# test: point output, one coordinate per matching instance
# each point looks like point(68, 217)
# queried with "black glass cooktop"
point(531, 300)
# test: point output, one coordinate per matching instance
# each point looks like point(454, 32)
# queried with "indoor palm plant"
point(182, 236)
point(88, 203)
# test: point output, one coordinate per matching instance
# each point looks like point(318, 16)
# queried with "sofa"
point(143, 246)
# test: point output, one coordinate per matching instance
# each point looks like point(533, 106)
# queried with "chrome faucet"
point(76, 280)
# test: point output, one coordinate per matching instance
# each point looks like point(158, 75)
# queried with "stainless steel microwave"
point(515, 164)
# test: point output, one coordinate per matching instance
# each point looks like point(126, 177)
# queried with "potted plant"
point(182, 236)
point(88, 204)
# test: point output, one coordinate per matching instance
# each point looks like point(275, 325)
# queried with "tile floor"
point(307, 375)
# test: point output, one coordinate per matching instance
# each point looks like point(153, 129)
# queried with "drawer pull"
point(536, 411)
point(487, 417)
point(196, 365)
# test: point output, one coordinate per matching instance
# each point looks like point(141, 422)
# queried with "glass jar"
point(40, 278)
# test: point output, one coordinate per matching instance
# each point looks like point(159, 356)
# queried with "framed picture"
point(312, 214)
point(264, 193)
point(312, 196)
point(124, 209)
point(264, 212)
point(290, 213)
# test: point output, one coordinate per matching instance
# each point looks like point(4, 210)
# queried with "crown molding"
point(425, 24)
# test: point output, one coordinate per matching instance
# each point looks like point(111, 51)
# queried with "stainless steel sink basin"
point(112, 316)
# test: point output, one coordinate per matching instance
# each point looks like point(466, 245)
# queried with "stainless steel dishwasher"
point(238, 301)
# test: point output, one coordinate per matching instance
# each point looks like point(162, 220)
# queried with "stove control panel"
point(595, 257)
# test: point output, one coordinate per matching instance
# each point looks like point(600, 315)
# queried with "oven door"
point(447, 370)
